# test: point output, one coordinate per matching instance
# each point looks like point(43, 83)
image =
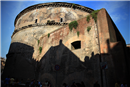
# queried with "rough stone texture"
point(50, 13)
point(30, 36)
point(103, 43)
point(88, 39)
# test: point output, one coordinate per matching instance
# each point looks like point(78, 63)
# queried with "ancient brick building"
point(3, 60)
point(44, 48)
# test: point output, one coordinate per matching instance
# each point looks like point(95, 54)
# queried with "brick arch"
point(75, 38)
point(75, 77)
point(49, 77)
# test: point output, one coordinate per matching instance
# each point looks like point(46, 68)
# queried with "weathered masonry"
point(64, 43)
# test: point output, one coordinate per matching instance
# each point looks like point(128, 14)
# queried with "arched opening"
point(76, 45)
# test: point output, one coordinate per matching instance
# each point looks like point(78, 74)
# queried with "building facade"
point(3, 60)
point(44, 47)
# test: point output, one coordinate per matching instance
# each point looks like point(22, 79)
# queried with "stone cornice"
point(53, 4)
point(38, 24)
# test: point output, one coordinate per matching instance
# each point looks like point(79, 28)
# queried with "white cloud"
point(112, 8)
point(116, 17)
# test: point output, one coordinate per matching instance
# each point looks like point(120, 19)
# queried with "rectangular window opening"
point(76, 45)
point(36, 21)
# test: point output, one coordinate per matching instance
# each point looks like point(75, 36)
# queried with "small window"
point(36, 21)
point(76, 45)
point(61, 19)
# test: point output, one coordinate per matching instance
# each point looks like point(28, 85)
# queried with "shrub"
point(40, 49)
point(88, 28)
point(48, 21)
point(88, 18)
point(48, 35)
point(73, 4)
point(38, 42)
point(78, 33)
point(73, 24)
point(94, 14)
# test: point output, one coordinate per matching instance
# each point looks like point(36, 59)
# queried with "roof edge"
point(52, 4)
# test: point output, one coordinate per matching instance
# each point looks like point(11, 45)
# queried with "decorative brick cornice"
point(38, 24)
point(53, 4)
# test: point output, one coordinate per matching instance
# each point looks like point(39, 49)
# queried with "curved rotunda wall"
point(31, 24)
point(51, 11)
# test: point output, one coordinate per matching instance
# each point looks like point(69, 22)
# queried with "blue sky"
point(119, 11)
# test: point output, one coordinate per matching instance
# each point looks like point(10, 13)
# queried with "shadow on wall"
point(116, 61)
point(60, 65)
point(20, 64)
point(74, 70)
